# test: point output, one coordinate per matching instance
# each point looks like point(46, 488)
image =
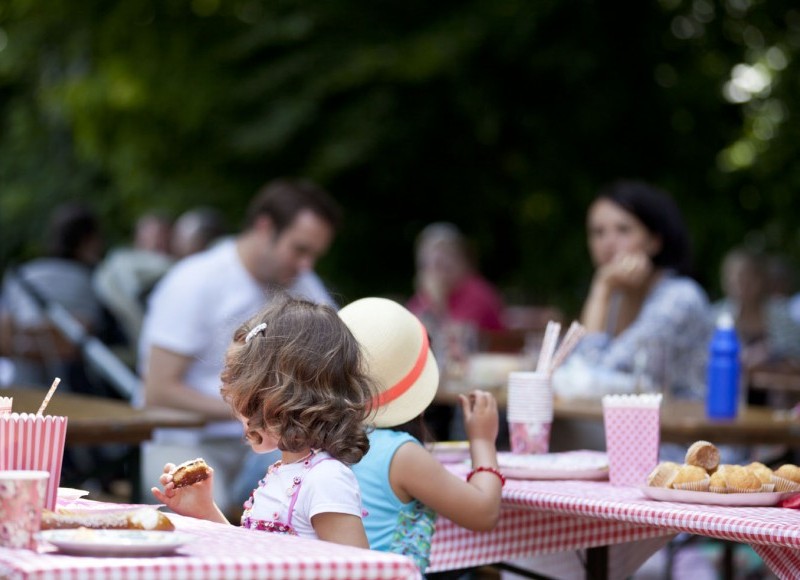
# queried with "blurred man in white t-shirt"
point(194, 310)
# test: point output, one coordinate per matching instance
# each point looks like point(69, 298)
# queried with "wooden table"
point(685, 422)
point(783, 377)
point(98, 420)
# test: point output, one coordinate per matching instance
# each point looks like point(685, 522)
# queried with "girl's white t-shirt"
point(328, 486)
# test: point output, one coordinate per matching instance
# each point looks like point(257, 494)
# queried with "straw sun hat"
point(398, 358)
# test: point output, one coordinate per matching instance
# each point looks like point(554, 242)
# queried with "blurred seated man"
point(195, 308)
point(124, 279)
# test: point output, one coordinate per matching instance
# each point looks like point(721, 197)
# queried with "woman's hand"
point(196, 500)
point(626, 271)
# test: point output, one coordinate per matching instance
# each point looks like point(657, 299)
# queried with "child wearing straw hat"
point(403, 486)
point(294, 377)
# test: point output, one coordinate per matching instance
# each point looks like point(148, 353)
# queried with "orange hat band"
point(401, 386)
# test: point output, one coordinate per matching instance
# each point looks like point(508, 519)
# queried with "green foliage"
point(502, 116)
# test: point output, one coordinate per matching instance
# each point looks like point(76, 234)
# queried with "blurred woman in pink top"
point(448, 285)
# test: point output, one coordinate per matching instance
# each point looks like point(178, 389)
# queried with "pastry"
point(761, 471)
point(741, 480)
point(717, 483)
point(190, 472)
point(703, 454)
point(144, 518)
point(662, 474)
point(691, 477)
point(787, 478)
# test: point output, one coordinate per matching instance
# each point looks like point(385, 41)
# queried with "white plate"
point(709, 498)
point(583, 464)
point(86, 542)
point(70, 494)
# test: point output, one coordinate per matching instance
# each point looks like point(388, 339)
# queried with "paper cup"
point(22, 495)
point(632, 436)
point(34, 442)
point(529, 437)
point(529, 411)
point(5, 405)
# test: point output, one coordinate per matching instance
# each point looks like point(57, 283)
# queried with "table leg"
point(597, 563)
point(135, 473)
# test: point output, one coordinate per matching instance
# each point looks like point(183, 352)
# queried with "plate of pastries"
point(703, 479)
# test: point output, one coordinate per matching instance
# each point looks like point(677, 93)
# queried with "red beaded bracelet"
point(490, 470)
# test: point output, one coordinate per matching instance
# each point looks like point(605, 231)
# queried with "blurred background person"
point(195, 230)
point(456, 304)
point(37, 350)
point(764, 325)
point(644, 314)
point(448, 284)
point(194, 310)
point(127, 275)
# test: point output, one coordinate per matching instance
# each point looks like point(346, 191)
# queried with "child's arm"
point(340, 528)
point(195, 500)
point(415, 473)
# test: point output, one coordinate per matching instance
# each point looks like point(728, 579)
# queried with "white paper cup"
point(32, 443)
point(22, 496)
point(5, 405)
point(529, 411)
point(632, 424)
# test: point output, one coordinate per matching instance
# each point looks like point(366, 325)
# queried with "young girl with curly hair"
point(294, 377)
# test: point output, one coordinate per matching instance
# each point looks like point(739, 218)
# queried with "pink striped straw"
point(551, 333)
point(48, 396)
point(573, 336)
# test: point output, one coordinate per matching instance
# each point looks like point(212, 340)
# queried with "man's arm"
point(165, 387)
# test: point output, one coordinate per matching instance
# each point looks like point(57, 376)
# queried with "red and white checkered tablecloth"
point(541, 517)
point(215, 551)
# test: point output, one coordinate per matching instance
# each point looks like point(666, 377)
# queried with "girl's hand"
point(196, 500)
point(481, 419)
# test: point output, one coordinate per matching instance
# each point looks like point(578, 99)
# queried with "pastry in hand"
point(190, 472)
point(703, 454)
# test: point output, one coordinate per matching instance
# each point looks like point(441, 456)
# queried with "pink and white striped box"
point(34, 442)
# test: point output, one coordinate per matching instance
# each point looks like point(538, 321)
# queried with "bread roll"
point(703, 454)
point(144, 518)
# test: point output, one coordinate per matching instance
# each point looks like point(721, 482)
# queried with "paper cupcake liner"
point(732, 489)
point(701, 485)
point(767, 487)
point(783, 484)
point(717, 489)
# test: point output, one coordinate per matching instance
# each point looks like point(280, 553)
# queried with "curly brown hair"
point(302, 378)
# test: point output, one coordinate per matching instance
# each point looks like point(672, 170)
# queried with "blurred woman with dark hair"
point(643, 313)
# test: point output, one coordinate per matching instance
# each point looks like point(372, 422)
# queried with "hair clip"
point(259, 328)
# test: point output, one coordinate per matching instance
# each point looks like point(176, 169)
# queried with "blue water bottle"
point(722, 398)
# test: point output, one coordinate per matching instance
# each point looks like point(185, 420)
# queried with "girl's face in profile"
point(613, 232)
